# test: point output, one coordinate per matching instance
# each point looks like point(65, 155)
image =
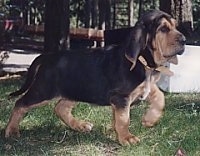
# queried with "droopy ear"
point(136, 43)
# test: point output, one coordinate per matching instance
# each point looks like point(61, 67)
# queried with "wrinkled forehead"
point(154, 19)
point(168, 22)
point(154, 16)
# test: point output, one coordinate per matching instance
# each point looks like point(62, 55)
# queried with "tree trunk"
point(176, 10)
point(187, 17)
point(182, 11)
point(104, 14)
point(91, 7)
point(56, 33)
point(165, 5)
point(130, 13)
point(88, 7)
point(140, 8)
point(94, 13)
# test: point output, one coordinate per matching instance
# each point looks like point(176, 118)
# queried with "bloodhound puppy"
point(110, 76)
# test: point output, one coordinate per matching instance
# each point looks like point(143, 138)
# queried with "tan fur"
point(121, 117)
point(165, 43)
point(63, 110)
point(121, 123)
point(12, 128)
point(164, 48)
point(157, 103)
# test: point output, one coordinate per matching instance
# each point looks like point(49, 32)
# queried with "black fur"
point(97, 76)
point(101, 76)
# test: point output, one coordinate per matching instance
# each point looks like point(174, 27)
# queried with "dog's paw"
point(84, 126)
point(128, 140)
point(147, 123)
point(12, 132)
point(151, 117)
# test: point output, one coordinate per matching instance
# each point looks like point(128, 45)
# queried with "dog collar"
point(162, 69)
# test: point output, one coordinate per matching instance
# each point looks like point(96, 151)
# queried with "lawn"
point(42, 133)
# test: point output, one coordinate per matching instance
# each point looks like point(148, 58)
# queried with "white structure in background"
point(18, 61)
point(186, 74)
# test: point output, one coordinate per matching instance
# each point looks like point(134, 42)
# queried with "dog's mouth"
point(173, 58)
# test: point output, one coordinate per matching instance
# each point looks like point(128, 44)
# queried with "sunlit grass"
point(42, 133)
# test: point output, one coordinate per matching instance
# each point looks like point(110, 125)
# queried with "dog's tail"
point(32, 71)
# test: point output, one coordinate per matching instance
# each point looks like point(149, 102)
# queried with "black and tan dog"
point(110, 76)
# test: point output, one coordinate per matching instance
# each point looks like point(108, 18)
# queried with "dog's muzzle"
point(182, 42)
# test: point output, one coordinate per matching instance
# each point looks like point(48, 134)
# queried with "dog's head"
point(156, 38)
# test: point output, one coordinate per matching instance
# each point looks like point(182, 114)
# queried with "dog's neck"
point(162, 69)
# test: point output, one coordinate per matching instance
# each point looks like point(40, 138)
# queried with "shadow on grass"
point(41, 135)
point(40, 139)
point(46, 139)
point(186, 102)
point(192, 107)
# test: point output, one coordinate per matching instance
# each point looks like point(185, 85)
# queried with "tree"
point(182, 11)
point(130, 12)
point(56, 32)
point(165, 5)
point(104, 14)
point(91, 7)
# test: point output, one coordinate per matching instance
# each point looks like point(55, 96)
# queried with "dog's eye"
point(164, 29)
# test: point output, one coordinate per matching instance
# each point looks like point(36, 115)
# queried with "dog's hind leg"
point(12, 128)
point(63, 110)
point(157, 104)
point(17, 114)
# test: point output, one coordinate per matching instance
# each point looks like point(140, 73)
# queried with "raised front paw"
point(12, 132)
point(151, 117)
point(128, 140)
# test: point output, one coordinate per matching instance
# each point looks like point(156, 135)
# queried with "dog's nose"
point(182, 40)
point(181, 52)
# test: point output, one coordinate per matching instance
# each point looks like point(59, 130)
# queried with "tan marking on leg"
point(12, 129)
point(151, 78)
point(63, 110)
point(137, 92)
point(122, 121)
point(157, 104)
point(146, 84)
point(121, 117)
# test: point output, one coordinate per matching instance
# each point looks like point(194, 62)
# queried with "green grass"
point(42, 133)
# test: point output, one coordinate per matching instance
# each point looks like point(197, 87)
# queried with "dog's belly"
point(84, 86)
point(95, 93)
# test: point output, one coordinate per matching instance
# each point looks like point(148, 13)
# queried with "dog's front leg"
point(121, 119)
point(63, 110)
point(157, 104)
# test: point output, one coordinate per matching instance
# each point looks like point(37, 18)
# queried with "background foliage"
point(77, 12)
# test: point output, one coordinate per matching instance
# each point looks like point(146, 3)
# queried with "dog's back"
point(88, 76)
